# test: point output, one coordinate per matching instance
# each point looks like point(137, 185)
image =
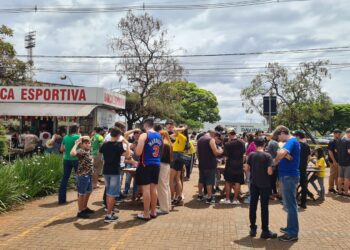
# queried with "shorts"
point(98, 163)
point(147, 175)
point(177, 164)
point(207, 176)
point(234, 178)
point(84, 184)
point(344, 172)
point(112, 183)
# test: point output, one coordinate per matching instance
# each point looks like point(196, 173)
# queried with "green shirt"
point(68, 142)
point(97, 140)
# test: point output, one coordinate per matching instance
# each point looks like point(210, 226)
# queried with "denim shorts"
point(84, 184)
point(112, 183)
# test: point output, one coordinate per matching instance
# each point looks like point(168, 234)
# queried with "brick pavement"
point(42, 224)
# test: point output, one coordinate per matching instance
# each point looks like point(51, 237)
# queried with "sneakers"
point(332, 190)
point(287, 237)
point(110, 218)
point(252, 232)
point(283, 230)
point(210, 200)
point(247, 200)
point(200, 198)
point(302, 205)
point(159, 211)
point(82, 215)
point(236, 202)
point(268, 235)
point(88, 211)
point(177, 201)
point(225, 201)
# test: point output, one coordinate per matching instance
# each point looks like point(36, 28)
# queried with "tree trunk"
point(308, 133)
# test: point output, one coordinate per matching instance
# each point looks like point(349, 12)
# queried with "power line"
point(161, 7)
point(297, 51)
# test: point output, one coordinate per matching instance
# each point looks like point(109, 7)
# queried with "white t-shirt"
point(44, 137)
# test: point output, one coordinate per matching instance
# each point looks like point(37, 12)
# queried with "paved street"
point(42, 224)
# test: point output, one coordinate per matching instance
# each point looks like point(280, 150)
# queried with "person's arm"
point(270, 163)
point(269, 170)
point(129, 132)
point(178, 130)
point(127, 151)
point(73, 152)
point(62, 149)
point(348, 147)
point(140, 144)
point(213, 147)
point(246, 167)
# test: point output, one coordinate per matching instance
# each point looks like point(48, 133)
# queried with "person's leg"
point(172, 182)
point(178, 185)
point(62, 193)
point(312, 182)
point(127, 183)
point(209, 191)
point(289, 198)
point(88, 191)
point(81, 201)
point(303, 185)
point(254, 198)
point(163, 186)
point(274, 182)
point(264, 202)
point(146, 194)
point(228, 186)
point(237, 188)
point(320, 181)
point(188, 170)
point(154, 198)
point(332, 177)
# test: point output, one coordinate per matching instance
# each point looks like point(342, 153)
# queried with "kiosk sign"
point(71, 95)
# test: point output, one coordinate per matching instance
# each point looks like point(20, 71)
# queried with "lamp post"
point(64, 77)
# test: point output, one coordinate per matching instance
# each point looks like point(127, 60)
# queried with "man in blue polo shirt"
point(288, 159)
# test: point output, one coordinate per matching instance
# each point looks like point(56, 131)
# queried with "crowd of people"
point(273, 165)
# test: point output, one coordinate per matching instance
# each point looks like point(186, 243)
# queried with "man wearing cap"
point(333, 159)
point(304, 160)
point(343, 148)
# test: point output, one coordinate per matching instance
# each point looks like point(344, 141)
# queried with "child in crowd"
point(83, 175)
point(321, 164)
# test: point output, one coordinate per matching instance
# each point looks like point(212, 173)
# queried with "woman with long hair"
point(179, 147)
point(163, 188)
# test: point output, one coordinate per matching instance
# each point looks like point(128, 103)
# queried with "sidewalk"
point(42, 224)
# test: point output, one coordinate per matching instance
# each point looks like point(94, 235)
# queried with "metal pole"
point(270, 116)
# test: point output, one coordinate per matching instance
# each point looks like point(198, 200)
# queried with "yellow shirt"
point(191, 150)
point(321, 164)
point(180, 143)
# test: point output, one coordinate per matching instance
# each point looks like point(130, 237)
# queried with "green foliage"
point(3, 142)
point(28, 178)
point(299, 94)
point(12, 70)
point(195, 105)
point(340, 119)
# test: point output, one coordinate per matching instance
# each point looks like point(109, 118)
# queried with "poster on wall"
point(106, 118)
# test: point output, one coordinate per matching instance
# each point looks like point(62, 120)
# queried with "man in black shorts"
point(234, 151)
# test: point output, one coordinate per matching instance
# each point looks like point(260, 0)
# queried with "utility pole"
point(29, 45)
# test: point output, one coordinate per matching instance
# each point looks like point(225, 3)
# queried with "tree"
point(146, 62)
point(299, 95)
point(340, 119)
point(12, 70)
point(196, 105)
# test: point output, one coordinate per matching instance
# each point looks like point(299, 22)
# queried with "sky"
point(286, 25)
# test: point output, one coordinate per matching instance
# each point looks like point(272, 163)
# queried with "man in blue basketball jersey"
point(148, 148)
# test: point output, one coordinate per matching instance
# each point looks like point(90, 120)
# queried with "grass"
point(28, 178)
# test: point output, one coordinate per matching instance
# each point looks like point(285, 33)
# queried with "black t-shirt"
point(166, 152)
point(112, 151)
point(234, 150)
point(332, 146)
point(343, 156)
point(304, 156)
point(259, 162)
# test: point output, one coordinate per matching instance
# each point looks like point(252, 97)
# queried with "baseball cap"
point(337, 131)
point(231, 131)
point(300, 134)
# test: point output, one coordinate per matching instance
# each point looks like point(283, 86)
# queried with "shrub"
point(28, 178)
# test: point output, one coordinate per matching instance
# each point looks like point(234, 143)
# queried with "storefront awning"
point(36, 109)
